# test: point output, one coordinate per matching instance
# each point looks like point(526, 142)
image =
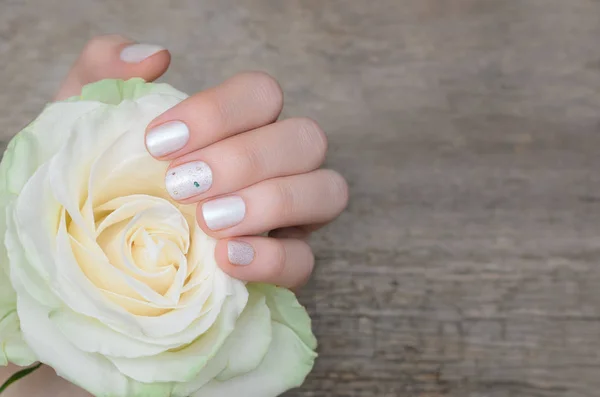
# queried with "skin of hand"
point(256, 180)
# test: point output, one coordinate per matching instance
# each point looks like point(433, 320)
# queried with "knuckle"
point(283, 200)
point(255, 164)
point(267, 90)
point(339, 190)
point(93, 43)
point(89, 51)
point(309, 265)
point(216, 115)
point(96, 44)
point(243, 159)
point(277, 266)
point(94, 52)
point(313, 138)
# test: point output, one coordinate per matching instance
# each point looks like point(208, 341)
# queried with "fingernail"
point(136, 53)
point(167, 138)
point(188, 180)
point(240, 253)
point(223, 212)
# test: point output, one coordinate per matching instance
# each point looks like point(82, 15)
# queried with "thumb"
point(117, 57)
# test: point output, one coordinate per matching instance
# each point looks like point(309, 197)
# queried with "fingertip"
point(161, 62)
point(284, 262)
point(242, 258)
point(237, 257)
point(148, 61)
point(139, 52)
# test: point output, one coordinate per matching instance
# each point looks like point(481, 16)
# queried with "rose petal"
point(243, 350)
point(92, 336)
point(285, 366)
point(183, 364)
point(286, 309)
point(247, 346)
point(91, 371)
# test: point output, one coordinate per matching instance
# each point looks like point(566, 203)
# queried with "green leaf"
point(16, 376)
point(115, 91)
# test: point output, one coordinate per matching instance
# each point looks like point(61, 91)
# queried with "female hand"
point(249, 173)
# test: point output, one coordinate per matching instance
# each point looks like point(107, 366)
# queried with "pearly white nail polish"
point(240, 253)
point(136, 53)
point(223, 212)
point(167, 138)
point(188, 180)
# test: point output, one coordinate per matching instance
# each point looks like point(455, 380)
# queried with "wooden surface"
point(468, 263)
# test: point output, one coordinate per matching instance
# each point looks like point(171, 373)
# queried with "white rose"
point(110, 282)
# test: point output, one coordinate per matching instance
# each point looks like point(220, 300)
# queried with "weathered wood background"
point(467, 264)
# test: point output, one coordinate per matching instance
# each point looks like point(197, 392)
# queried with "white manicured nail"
point(167, 138)
point(240, 253)
point(188, 180)
point(136, 53)
point(223, 212)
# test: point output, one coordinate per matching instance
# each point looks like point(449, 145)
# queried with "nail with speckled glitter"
point(188, 180)
point(240, 253)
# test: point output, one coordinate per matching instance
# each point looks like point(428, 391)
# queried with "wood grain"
point(467, 262)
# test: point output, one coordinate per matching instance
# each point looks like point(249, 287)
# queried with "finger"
point(284, 262)
point(300, 232)
point(115, 57)
point(319, 196)
point(242, 103)
point(285, 148)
